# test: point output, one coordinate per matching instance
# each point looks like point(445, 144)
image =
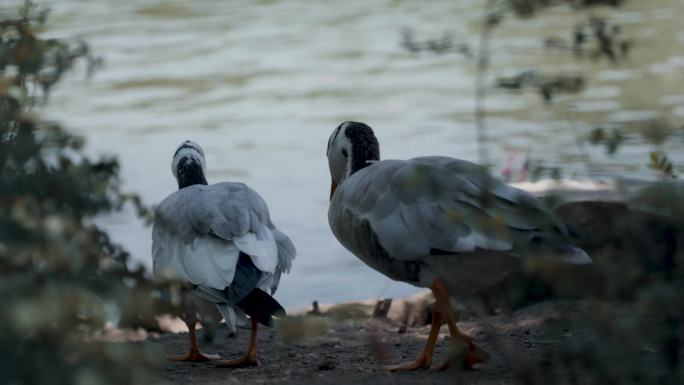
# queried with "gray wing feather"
point(286, 254)
point(230, 211)
point(429, 203)
point(224, 209)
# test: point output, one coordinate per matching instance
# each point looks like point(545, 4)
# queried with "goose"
point(438, 223)
point(219, 240)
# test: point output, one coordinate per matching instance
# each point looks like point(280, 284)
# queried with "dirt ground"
point(330, 350)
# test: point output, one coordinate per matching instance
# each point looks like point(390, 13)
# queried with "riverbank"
point(346, 345)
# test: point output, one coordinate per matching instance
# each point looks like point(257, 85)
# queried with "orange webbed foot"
point(193, 357)
point(242, 362)
point(464, 359)
point(422, 362)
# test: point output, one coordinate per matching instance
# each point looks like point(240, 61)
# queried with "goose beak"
point(333, 187)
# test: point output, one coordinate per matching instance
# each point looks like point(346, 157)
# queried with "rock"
point(316, 310)
point(382, 308)
point(326, 365)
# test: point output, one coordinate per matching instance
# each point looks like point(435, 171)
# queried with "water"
point(261, 84)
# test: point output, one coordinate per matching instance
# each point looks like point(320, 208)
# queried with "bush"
point(61, 279)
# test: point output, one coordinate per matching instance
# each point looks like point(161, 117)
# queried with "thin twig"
point(588, 164)
point(483, 54)
point(480, 79)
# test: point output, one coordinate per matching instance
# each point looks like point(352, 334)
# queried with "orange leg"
point(470, 354)
point(194, 355)
point(424, 360)
point(250, 358)
point(441, 313)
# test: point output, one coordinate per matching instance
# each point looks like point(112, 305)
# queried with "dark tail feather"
point(573, 231)
point(261, 307)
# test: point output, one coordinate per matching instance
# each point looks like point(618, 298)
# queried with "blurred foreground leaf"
point(61, 279)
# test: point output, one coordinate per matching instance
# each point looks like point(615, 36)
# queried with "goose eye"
point(344, 153)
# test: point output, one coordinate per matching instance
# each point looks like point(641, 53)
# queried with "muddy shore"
point(346, 345)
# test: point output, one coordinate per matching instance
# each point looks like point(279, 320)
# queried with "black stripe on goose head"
point(188, 144)
point(365, 147)
point(333, 137)
point(188, 165)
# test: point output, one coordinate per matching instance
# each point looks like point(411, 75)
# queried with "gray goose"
point(219, 239)
point(436, 222)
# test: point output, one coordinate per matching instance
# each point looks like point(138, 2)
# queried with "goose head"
point(352, 146)
point(188, 164)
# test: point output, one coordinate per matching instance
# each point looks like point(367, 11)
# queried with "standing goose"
point(435, 222)
point(219, 238)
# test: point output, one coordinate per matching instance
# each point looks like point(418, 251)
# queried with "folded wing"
point(199, 232)
point(440, 206)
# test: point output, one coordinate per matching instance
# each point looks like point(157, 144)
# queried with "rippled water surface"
point(261, 84)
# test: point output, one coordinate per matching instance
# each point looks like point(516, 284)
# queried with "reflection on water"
point(261, 84)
